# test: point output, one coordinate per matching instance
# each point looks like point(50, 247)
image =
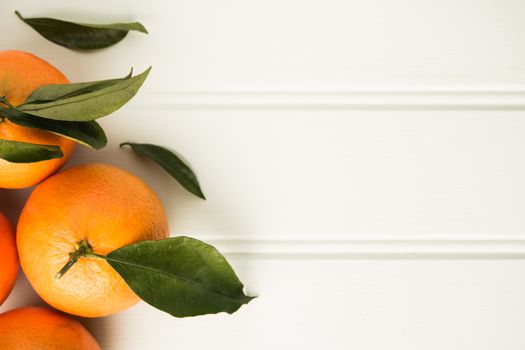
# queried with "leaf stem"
point(95, 255)
point(4, 101)
point(73, 258)
point(83, 250)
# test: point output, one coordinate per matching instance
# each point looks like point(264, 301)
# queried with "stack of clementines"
point(63, 210)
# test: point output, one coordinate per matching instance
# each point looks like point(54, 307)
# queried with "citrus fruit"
point(42, 329)
point(8, 258)
point(20, 74)
point(96, 204)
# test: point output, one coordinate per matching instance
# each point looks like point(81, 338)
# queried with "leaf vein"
point(200, 284)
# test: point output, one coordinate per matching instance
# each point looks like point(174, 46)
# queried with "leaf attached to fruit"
point(181, 276)
point(23, 152)
point(82, 102)
point(87, 133)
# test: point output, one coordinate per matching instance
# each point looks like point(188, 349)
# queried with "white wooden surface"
point(363, 162)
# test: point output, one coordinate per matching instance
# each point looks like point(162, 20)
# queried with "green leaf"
point(85, 101)
point(23, 152)
point(173, 164)
point(81, 36)
point(181, 276)
point(60, 91)
point(86, 133)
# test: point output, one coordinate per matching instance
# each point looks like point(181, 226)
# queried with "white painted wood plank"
point(334, 45)
point(330, 174)
point(333, 174)
point(342, 304)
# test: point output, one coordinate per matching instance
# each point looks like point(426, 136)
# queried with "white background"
point(363, 163)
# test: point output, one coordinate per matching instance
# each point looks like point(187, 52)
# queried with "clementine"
point(96, 205)
point(20, 74)
point(8, 258)
point(39, 328)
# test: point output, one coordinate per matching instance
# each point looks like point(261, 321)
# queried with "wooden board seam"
point(372, 247)
point(475, 99)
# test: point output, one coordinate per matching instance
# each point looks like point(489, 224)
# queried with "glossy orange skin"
point(8, 258)
point(20, 74)
point(42, 329)
point(108, 207)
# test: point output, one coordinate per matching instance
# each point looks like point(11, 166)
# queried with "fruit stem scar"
point(83, 249)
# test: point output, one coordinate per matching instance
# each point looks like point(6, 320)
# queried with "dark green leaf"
point(173, 164)
point(23, 152)
point(182, 276)
point(87, 133)
point(85, 101)
point(81, 36)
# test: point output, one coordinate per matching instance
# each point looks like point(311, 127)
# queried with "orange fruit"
point(20, 74)
point(104, 205)
point(42, 329)
point(8, 258)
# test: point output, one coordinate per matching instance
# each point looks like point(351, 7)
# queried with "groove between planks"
point(322, 100)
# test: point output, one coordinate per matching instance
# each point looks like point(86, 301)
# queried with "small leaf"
point(85, 101)
point(81, 36)
point(173, 164)
point(23, 152)
point(181, 276)
point(86, 133)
